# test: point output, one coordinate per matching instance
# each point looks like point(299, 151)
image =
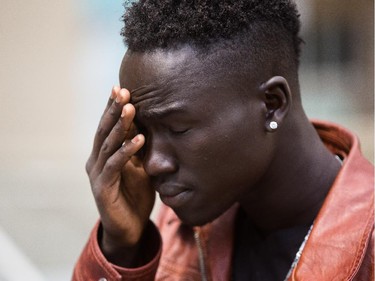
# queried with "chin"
point(191, 218)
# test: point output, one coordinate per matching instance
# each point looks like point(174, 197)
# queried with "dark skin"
point(214, 146)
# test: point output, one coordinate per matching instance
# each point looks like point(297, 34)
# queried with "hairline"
point(246, 53)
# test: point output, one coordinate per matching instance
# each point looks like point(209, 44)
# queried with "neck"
point(294, 188)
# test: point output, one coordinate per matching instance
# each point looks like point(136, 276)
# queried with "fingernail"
point(118, 98)
point(123, 112)
point(114, 91)
point(135, 139)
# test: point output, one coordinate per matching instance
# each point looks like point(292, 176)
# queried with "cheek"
point(204, 149)
point(234, 159)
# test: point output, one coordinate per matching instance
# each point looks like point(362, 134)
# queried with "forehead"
point(140, 69)
point(174, 78)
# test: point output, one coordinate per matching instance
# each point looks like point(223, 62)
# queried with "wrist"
point(130, 256)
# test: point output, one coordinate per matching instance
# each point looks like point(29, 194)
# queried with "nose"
point(159, 158)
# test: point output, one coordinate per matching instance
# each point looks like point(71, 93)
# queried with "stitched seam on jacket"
point(361, 251)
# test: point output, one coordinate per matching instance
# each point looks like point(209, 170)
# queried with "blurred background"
point(58, 62)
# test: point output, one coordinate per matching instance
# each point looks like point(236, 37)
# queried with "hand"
point(119, 183)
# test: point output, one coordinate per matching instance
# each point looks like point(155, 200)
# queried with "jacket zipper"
point(202, 263)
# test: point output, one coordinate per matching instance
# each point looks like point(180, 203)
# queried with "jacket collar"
point(343, 227)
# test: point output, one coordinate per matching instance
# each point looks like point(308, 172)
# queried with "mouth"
point(174, 196)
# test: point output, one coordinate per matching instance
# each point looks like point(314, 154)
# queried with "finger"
point(127, 119)
point(117, 136)
point(117, 161)
point(109, 119)
point(115, 91)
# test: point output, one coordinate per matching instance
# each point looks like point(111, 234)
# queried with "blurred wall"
point(59, 60)
point(337, 69)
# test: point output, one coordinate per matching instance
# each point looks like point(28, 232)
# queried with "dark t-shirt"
point(259, 257)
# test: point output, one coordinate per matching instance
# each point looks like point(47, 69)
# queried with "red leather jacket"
point(340, 246)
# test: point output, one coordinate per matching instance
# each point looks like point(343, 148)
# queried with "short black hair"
point(247, 38)
point(151, 24)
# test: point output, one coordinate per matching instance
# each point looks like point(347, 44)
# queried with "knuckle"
point(105, 147)
point(111, 165)
point(100, 131)
point(118, 129)
point(112, 111)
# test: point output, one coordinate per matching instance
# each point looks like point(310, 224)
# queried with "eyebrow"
point(158, 113)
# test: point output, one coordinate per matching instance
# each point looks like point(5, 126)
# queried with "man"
point(209, 115)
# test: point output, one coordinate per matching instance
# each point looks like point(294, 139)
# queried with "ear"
point(278, 100)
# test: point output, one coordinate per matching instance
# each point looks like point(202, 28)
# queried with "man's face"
point(205, 140)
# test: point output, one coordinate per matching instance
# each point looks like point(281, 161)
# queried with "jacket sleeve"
point(92, 265)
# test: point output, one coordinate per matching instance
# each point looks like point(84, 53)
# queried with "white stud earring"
point(273, 125)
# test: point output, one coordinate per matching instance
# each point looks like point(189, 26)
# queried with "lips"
point(174, 195)
point(170, 190)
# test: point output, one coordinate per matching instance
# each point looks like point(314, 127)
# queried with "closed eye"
point(178, 131)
